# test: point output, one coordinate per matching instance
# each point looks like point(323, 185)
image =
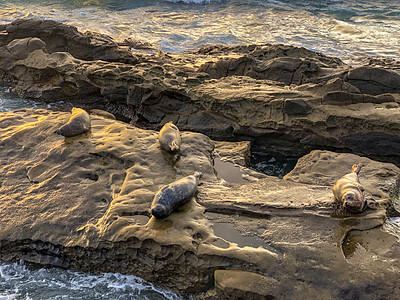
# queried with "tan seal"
point(170, 137)
point(78, 123)
point(349, 192)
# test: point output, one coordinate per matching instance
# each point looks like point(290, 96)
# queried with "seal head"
point(159, 211)
point(354, 202)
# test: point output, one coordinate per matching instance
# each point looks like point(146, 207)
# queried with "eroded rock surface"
point(83, 203)
point(283, 98)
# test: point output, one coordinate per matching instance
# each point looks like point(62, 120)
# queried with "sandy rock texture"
point(282, 98)
point(84, 202)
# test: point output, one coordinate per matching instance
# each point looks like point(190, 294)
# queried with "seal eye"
point(349, 197)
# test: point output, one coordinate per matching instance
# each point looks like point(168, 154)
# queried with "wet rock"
point(303, 221)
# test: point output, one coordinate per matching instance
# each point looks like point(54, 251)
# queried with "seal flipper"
point(173, 146)
point(356, 168)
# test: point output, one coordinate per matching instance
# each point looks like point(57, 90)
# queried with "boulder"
point(59, 37)
point(374, 81)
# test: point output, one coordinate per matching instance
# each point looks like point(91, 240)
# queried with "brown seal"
point(170, 137)
point(174, 195)
point(349, 192)
point(78, 123)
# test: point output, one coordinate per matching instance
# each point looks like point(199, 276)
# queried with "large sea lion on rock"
point(349, 192)
point(170, 137)
point(78, 123)
point(174, 195)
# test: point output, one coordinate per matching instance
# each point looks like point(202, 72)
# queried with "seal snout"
point(159, 212)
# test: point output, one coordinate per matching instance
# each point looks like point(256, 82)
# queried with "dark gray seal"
point(78, 123)
point(349, 192)
point(174, 195)
point(170, 137)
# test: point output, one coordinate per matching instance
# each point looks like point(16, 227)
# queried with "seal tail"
point(356, 168)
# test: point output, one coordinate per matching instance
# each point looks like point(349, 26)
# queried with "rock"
point(374, 81)
point(20, 48)
point(237, 153)
point(287, 239)
point(281, 98)
point(244, 285)
point(296, 107)
point(95, 193)
point(102, 113)
point(59, 37)
point(302, 221)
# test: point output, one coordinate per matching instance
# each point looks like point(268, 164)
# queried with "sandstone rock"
point(282, 98)
point(374, 81)
point(94, 193)
point(102, 113)
point(244, 285)
point(60, 37)
point(83, 203)
point(237, 153)
point(296, 107)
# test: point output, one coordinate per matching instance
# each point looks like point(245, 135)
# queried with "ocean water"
point(17, 281)
point(347, 29)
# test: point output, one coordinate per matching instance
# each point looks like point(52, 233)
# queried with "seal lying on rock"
point(174, 195)
point(349, 192)
point(170, 137)
point(78, 123)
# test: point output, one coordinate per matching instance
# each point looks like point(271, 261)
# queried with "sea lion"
point(78, 123)
point(349, 192)
point(174, 195)
point(170, 137)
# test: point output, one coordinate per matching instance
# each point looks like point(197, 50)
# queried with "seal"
point(78, 123)
point(174, 195)
point(349, 192)
point(170, 137)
